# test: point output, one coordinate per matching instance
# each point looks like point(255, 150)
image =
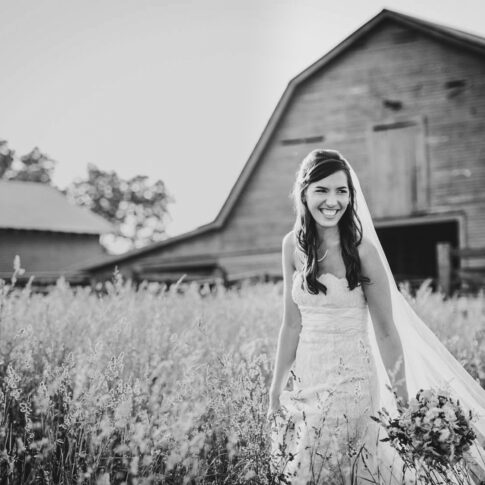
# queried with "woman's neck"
point(329, 236)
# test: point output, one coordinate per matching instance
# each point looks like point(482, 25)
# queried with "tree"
point(33, 167)
point(6, 158)
point(137, 207)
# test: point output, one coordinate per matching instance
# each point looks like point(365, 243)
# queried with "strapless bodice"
point(338, 294)
point(340, 311)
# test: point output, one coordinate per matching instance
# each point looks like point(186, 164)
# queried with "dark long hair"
point(317, 165)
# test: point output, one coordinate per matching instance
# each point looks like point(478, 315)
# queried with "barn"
point(404, 100)
point(52, 236)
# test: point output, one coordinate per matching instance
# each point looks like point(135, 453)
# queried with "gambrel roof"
point(441, 33)
point(40, 207)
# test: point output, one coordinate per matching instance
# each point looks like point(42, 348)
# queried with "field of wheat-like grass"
point(152, 386)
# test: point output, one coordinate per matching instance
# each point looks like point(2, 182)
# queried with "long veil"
point(428, 363)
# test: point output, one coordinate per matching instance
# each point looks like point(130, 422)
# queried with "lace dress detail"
point(338, 294)
point(324, 434)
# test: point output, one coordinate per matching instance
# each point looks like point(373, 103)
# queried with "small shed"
point(404, 100)
point(52, 236)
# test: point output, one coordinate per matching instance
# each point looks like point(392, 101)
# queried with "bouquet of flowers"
point(432, 433)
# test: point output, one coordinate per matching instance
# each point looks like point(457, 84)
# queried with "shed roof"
point(40, 207)
point(442, 33)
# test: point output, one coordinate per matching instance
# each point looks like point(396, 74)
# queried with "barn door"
point(397, 179)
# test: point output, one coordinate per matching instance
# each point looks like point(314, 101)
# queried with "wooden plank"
point(443, 256)
point(399, 167)
point(469, 252)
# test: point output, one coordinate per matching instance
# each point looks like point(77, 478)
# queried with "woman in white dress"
point(331, 276)
point(343, 329)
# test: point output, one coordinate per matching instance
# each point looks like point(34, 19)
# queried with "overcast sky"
point(179, 90)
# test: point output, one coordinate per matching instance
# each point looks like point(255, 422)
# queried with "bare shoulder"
point(288, 246)
point(367, 251)
point(289, 240)
point(371, 263)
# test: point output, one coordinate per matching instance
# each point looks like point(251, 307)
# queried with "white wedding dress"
point(337, 387)
point(324, 434)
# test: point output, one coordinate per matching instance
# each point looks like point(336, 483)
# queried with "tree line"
point(137, 207)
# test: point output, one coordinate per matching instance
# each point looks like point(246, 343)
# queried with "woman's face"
point(328, 198)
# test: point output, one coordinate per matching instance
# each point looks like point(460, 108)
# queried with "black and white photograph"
point(242, 242)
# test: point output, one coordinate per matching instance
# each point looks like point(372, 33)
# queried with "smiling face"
point(328, 198)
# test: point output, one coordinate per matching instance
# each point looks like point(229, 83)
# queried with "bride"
point(348, 333)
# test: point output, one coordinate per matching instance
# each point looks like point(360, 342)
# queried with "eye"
point(322, 189)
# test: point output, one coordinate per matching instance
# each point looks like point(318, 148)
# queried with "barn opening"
point(411, 248)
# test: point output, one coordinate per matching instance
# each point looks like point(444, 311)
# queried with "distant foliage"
point(137, 207)
point(6, 158)
point(35, 166)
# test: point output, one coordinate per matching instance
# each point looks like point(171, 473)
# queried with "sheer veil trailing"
point(427, 361)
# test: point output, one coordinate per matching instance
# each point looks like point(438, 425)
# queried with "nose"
point(331, 200)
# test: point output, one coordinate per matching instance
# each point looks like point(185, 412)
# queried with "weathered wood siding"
point(237, 266)
point(47, 251)
point(204, 244)
point(264, 212)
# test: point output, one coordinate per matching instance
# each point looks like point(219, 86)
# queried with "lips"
point(329, 213)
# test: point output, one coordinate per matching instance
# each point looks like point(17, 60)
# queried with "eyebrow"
point(324, 187)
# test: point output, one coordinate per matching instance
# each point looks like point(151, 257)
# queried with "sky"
point(176, 90)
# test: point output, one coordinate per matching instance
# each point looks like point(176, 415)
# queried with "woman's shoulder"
point(289, 246)
point(367, 250)
point(289, 241)
point(290, 250)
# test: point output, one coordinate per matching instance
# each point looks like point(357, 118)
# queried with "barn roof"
point(40, 207)
point(442, 33)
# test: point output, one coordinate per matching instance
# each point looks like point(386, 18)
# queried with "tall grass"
point(459, 322)
point(154, 386)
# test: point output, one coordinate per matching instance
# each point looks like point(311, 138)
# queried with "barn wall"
point(208, 243)
point(344, 100)
point(47, 251)
point(238, 266)
point(264, 212)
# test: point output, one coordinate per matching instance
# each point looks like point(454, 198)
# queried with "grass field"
point(154, 386)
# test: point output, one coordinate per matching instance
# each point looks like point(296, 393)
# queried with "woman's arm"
point(378, 295)
point(289, 334)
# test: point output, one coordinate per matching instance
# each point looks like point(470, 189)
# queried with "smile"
point(329, 212)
